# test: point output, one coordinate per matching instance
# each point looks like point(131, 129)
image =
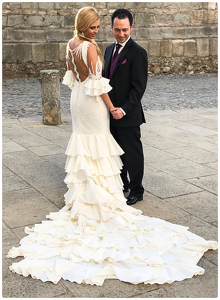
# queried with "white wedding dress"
point(96, 236)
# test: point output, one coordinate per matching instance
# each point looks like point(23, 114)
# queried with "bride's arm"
point(95, 72)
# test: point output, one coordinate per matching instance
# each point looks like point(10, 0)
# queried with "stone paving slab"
point(195, 154)
point(6, 172)
point(164, 185)
point(13, 183)
point(21, 207)
point(209, 183)
point(46, 150)
point(11, 147)
point(174, 160)
point(202, 205)
point(153, 206)
point(57, 160)
point(152, 154)
point(31, 141)
point(183, 168)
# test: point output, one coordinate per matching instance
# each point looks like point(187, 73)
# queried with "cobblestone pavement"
point(22, 97)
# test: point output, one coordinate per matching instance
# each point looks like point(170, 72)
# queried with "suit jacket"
point(129, 80)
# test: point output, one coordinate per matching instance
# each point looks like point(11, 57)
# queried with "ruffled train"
point(96, 236)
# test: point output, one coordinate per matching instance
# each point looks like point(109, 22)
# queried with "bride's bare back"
point(76, 62)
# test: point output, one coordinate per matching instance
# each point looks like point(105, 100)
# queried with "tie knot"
point(118, 46)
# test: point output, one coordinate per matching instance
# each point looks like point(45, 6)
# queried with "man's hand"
point(116, 113)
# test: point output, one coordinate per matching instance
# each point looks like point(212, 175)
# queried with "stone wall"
point(180, 37)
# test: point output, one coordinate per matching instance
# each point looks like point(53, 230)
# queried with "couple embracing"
point(96, 235)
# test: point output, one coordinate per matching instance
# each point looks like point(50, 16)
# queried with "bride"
point(96, 235)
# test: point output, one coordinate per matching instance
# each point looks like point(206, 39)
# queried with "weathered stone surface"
point(14, 5)
point(62, 48)
point(212, 5)
point(164, 19)
point(52, 52)
point(178, 47)
point(23, 52)
point(205, 31)
point(144, 44)
point(179, 32)
point(197, 16)
point(142, 33)
point(34, 36)
point(154, 48)
point(63, 5)
point(153, 4)
point(54, 20)
point(190, 48)
point(50, 93)
point(63, 12)
point(100, 5)
point(213, 16)
point(143, 19)
point(214, 30)
point(29, 5)
point(105, 45)
point(69, 21)
point(4, 20)
point(15, 20)
point(13, 35)
point(54, 35)
point(167, 32)
point(202, 47)
point(34, 21)
point(186, 5)
point(182, 18)
point(213, 42)
point(46, 6)
point(113, 5)
point(166, 48)
point(52, 13)
point(155, 34)
point(68, 34)
point(38, 53)
point(192, 32)
point(170, 5)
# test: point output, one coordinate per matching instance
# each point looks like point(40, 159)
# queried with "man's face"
point(121, 29)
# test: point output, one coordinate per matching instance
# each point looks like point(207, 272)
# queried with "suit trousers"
point(133, 159)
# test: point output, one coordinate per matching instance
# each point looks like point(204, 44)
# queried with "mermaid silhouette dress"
point(96, 235)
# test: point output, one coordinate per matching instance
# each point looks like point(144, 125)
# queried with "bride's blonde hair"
point(84, 18)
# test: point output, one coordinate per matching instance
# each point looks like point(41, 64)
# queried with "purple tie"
point(118, 46)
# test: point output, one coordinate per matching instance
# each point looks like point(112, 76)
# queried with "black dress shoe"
point(132, 200)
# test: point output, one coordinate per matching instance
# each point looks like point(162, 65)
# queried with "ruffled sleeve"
point(69, 79)
point(97, 86)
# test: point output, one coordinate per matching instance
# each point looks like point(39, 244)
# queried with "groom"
point(126, 66)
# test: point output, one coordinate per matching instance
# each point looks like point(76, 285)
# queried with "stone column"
point(50, 94)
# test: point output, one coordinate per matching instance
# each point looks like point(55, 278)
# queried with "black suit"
point(129, 81)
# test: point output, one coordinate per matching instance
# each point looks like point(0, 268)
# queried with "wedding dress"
point(96, 236)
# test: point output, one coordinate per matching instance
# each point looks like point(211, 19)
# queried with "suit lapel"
point(108, 59)
point(123, 54)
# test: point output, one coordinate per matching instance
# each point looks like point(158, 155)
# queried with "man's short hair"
point(122, 13)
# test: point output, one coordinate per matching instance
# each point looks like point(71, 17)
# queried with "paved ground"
point(180, 186)
point(22, 97)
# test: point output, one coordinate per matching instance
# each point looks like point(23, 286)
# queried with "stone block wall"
point(180, 37)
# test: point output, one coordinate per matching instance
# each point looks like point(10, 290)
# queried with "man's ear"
point(132, 26)
point(111, 26)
